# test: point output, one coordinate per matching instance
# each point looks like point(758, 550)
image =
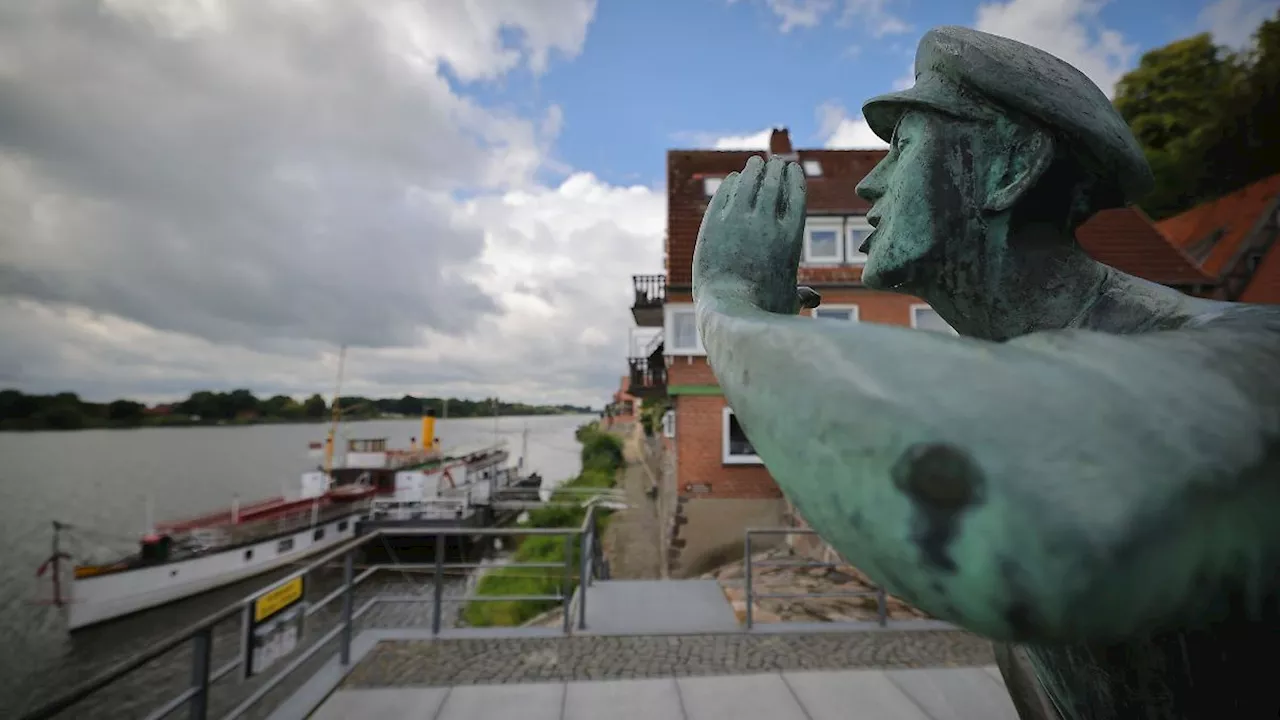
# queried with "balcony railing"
point(651, 290)
point(648, 377)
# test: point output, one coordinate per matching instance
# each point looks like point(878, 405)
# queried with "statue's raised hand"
point(752, 235)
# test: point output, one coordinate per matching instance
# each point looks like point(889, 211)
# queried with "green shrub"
point(602, 457)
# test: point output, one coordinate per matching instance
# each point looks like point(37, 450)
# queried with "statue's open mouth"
point(865, 247)
point(873, 219)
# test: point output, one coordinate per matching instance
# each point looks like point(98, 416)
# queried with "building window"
point(342, 526)
point(848, 313)
point(736, 447)
point(669, 424)
point(924, 317)
point(284, 545)
point(812, 168)
point(318, 535)
point(859, 229)
point(822, 243)
point(711, 185)
point(683, 328)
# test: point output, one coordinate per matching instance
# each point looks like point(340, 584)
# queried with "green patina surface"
point(1090, 474)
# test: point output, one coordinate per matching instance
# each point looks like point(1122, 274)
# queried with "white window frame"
point(812, 168)
point(824, 224)
point(725, 457)
point(926, 306)
point(851, 254)
point(855, 314)
point(669, 424)
point(668, 330)
point(710, 185)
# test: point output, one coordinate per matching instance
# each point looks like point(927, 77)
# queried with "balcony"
point(649, 372)
point(648, 378)
point(651, 294)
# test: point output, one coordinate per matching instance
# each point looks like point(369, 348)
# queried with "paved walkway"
point(633, 540)
point(931, 694)
point(473, 660)
point(658, 607)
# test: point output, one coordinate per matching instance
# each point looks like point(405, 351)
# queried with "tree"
point(315, 406)
point(1171, 102)
point(1244, 144)
point(1206, 118)
point(125, 412)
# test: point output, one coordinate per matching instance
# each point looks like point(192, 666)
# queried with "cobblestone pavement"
point(515, 660)
point(632, 540)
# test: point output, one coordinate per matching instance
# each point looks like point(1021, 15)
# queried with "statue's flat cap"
point(975, 75)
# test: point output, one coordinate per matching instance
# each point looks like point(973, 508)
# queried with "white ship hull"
point(98, 598)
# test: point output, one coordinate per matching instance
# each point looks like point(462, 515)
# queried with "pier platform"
point(921, 694)
point(621, 649)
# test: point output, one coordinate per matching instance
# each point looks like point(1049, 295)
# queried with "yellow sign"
point(277, 599)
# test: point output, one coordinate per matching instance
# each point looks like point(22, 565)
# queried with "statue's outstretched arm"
point(1067, 485)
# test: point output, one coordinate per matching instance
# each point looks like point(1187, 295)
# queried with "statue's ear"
point(1029, 155)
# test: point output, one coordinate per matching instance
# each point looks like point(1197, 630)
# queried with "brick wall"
point(699, 430)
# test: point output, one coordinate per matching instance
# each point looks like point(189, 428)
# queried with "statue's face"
point(920, 195)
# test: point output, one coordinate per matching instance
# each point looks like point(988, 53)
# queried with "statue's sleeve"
point(1067, 485)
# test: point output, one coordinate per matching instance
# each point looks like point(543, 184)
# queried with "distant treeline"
point(66, 411)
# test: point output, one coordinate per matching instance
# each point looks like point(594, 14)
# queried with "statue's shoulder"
point(1236, 316)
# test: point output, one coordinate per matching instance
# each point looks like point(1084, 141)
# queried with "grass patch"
point(601, 459)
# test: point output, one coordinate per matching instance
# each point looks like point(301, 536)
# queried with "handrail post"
point(438, 590)
point(584, 573)
point(348, 580)
point(201, 654)
point(566, 582)
point(746, 576)
point(882, 607)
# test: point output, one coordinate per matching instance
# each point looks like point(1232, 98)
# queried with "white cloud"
point(870, 15)
point(1232, 22)
point(841, 132)
point(799, 13)
point(907, 79)
point(1069, 29)
point(204, 195)
point(875, 17)
point(753, 141)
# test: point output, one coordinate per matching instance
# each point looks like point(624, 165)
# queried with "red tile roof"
point(1264, 287)
point(1235, 215)
point(1125, 239)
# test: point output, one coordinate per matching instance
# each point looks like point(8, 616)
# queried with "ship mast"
point(336, 414)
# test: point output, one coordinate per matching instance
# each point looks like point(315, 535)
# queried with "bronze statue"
point(1090, 474)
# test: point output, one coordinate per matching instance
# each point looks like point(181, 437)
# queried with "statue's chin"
point(888, 268)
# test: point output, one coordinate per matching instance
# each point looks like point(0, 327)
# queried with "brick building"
point(720, 486)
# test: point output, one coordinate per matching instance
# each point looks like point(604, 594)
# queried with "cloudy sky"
point(210, 194)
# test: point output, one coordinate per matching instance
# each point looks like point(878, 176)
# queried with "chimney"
point(780, 144)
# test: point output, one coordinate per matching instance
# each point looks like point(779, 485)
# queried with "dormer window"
point(812, 168)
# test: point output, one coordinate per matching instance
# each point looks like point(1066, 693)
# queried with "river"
point(103, 480)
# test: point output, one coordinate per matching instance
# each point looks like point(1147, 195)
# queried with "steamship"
point(188, 556)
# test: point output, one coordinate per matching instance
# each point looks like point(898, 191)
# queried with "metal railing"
point(751, 596)
point(651, 290)
point(201, 634)
point(646, 375)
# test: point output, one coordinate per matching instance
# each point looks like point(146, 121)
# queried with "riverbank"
point(602, 458)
